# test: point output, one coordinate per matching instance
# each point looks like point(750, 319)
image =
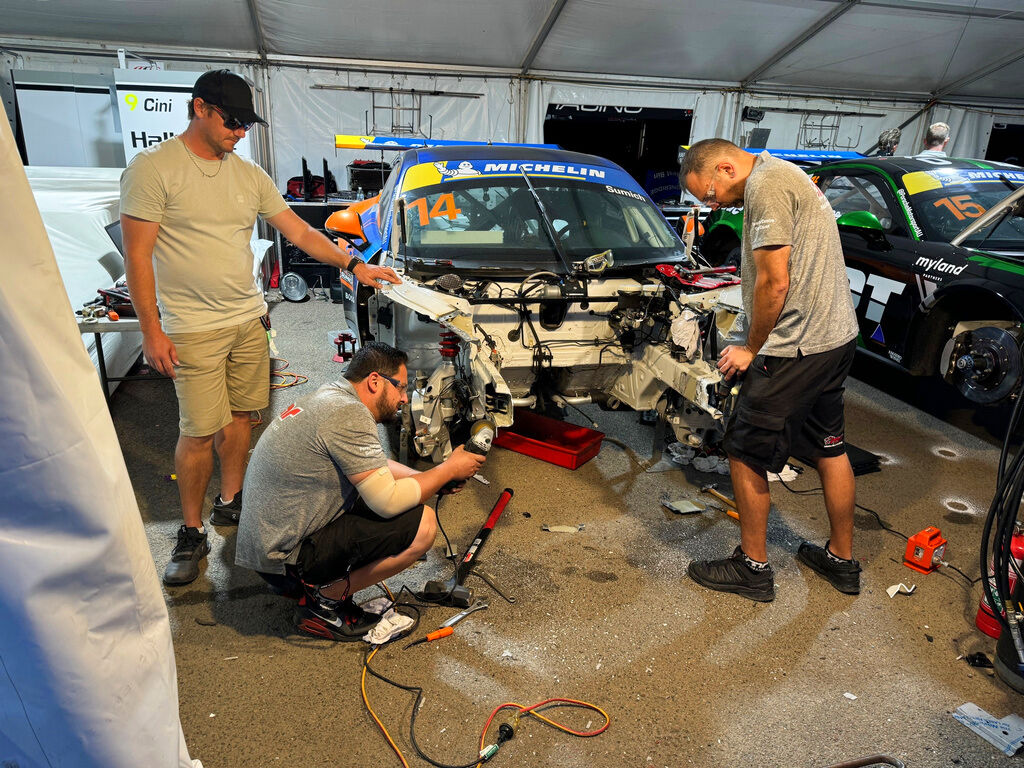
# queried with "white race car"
point(537, 278)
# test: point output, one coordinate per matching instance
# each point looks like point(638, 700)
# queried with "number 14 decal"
point(445, 206)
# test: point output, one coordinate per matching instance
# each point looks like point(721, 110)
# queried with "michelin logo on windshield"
point(566, 170)
point(465, 169)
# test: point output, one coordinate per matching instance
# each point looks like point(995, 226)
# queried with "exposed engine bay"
point(479, 348)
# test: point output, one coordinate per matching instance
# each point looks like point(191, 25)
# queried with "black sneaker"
point(343, 621)
point(733, 575)
point(226, 514)
point(844, 576)
point(191, 548)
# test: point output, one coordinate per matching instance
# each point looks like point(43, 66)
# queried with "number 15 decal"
point(445, 206)
point(961, 206)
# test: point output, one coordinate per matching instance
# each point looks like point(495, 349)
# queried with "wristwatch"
point(353, 263)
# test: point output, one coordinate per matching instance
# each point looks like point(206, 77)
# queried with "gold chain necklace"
point(192, 156)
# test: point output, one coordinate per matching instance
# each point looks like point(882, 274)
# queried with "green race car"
point(934, 250)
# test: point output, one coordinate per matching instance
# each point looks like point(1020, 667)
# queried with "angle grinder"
point(481, 435)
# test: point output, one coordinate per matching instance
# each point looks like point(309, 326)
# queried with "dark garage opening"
point(1006, 143)
point(643, 140)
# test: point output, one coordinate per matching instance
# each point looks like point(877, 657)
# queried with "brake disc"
point(986, 364)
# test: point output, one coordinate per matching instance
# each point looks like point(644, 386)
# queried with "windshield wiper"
point(549, 228)
point(993, 217)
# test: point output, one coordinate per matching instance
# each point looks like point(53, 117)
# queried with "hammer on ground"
point(731, 505)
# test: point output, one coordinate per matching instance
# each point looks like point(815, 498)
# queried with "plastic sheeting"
point(719, 114)
point(306, 119)
point(878, 49)
point(486, 32)
point(87, 675)
point(75, 205)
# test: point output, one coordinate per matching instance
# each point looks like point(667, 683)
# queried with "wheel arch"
point(938, 314)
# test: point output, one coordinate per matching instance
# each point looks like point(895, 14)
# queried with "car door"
point(882, 281)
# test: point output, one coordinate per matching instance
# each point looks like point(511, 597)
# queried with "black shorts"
point(356, 538)
point(790, 406)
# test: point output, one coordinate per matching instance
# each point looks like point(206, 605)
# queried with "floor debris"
point(900, 588)
point(562, 528)
point(683, 506)
point(1007, 734)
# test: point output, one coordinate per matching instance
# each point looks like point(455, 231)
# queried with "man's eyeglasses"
point(231, 123)
point(398, 385)
point(709, 196)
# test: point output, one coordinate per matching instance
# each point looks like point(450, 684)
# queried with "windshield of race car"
point(954, 199)
point(495, 221)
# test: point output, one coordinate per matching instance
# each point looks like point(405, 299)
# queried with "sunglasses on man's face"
point(231, 123)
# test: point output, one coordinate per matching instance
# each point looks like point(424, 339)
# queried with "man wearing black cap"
point(188, 207)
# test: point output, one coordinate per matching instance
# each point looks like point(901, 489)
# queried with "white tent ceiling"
point(953, 49)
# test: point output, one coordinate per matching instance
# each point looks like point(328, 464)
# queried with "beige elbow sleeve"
point(386, 496)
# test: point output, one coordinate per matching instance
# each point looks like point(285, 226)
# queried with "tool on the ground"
point(479, 605)
point(437, 634)
point(730, 509)
point(454, 591)
point(925, 550)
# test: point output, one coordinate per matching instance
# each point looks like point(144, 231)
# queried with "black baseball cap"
point(224, 89)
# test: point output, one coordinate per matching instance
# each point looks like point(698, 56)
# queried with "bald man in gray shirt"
point(796, 358)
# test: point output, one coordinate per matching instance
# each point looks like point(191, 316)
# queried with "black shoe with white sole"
point(340, 620)
point(226, 514)
point(844, 575)
point(732, 574)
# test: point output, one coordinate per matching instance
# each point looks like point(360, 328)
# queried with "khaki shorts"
point(223, 370)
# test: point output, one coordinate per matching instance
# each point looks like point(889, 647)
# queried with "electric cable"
point(412, 720)
point(289, 379)
point(1001, 522)
point(881, 524)
point(437, 516)
point(521, 710)
point(486, 580)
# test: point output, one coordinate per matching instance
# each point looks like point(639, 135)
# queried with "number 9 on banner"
point(131, 100)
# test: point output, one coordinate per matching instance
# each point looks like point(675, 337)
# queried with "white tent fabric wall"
point(806, 130)
point(306, 119)
point(87, 674)
point(718, 114)
point(969, 129)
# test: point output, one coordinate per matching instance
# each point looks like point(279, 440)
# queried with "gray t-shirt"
point(296, 481)
point(782, 206)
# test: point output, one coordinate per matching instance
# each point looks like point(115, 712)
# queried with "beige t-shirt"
point(202, 259)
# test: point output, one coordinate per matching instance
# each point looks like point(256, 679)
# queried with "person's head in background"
point(937, 137)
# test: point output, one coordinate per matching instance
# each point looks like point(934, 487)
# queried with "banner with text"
point(152, 106)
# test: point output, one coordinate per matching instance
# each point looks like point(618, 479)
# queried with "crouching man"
point(325, 507)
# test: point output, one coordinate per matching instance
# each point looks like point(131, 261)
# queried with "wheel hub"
point(986, 364)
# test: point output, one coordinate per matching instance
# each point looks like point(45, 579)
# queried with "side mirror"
point(346, 224)
point(860, 219)
point(867, 225)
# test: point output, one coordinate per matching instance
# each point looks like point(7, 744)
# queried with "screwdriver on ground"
point(435, 635)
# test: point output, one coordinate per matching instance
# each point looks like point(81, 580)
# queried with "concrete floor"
point(606, 615)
